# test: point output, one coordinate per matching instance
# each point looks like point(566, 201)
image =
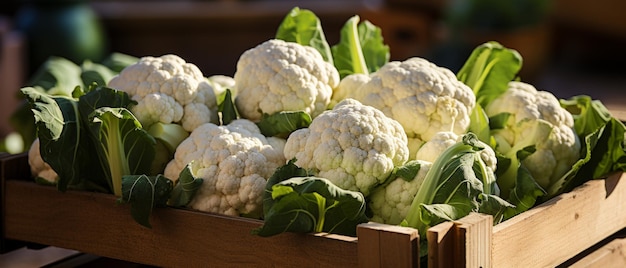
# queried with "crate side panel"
point(10, 166)
point(562, 227)
point(93, 223)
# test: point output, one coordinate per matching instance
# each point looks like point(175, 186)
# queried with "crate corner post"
point(474, 239)
point(382, 245)
point(441, 239)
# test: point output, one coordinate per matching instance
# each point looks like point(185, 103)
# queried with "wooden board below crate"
point(613, 254)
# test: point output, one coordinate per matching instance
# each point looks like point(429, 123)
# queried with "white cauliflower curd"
point(354, 146)
point(234, 161)
point(168, 90)
point(280, 76)
point(536, 118)
point(391, 204)
point(38, 167)
point(424, 98)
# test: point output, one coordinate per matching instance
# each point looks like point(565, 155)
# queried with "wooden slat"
point(14, 166)
point(612, 254)
point(474, 234)
point(382, 245)
point(10, 165)
point(369, 247)
point(93, 223)
point(441, 245)
point(562, 227)
point(545, 236)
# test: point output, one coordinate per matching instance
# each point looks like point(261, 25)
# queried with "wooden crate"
point(551, 234)
point(612, 253)
point(545, 236)
point(93, 223)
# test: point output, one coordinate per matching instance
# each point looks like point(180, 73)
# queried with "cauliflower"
point(347, 88)
point(39, 168)
point(222, 82)
point(424, 98)
point(280, 76)
point(433, 148)
point(234, 161)
point(536, 118)
point(436, 145)
point(354, 146)
point(168, 90)
point(390, 204)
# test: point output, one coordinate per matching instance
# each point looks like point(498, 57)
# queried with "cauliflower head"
point(280, 76)
point(390, 204)
point(234, 161)
point(168, 90)
point(436, 145)
point(222, 82)
point(536, 117)
point(353, 145)
point(433, 148)
point(38, 167)
point(423, 97)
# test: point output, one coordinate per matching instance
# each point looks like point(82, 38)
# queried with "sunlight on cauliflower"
point(354, 146)
point(423, 97)
point(280, 76)
point(234, 161)
point(168, 90)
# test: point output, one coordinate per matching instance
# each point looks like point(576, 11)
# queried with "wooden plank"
point(14, 166)
point(368, 246)
point(9, 165)
point(400, 246)
point(441, 241)
point(562, 227)
point(93, 223)
point(612, 254)
point(382, 245)
point(474, 234)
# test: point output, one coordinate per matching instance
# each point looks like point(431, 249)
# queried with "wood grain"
point(613, 254)
point(564, 226)
point(382, 245)
point(93, 223)
point(441, 245)
point(545, 236)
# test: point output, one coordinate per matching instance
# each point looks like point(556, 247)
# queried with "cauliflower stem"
point(535, 130)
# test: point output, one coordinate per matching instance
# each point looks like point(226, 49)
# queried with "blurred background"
point(569, 47)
